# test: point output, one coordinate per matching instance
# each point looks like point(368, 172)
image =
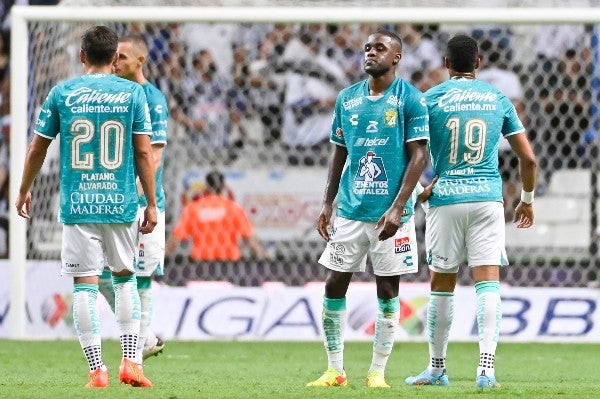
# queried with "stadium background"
point(277, 172)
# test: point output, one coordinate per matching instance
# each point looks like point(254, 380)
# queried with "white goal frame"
point(22, 15)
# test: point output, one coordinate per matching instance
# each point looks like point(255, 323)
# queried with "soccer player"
point(104, 128)
point(133, 53)
point(465, 221)
point(379, 135)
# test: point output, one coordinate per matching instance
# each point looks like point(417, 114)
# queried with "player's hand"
point(389, 223)
point(426, 194)
point(23, 205)
point(523, 215)
point(150, 220)
point(323, 222)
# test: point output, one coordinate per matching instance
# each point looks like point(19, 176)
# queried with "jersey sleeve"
point(141, 112)
point(511, 124)
point(337, 134)
point(416, 117)
point(48, 122)
point(159, 115)
point(243, 224)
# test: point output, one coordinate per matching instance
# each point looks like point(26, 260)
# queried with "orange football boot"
point(131, 373)
point(98, 378)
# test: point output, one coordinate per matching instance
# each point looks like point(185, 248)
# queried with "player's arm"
point(157, 153)
point(36, 154)
point(390, 221)
point(256, 247)
point(145, 166)
point(337, 161)
point(528, 172)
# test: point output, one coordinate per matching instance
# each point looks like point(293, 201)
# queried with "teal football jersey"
point(375, 132)
point(96, 116)
point(159, 115)
point(467, 118)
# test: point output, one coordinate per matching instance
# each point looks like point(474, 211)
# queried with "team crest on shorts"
point(336, 252)
point(402, 245)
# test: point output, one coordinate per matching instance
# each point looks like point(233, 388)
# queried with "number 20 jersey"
point(96, 116)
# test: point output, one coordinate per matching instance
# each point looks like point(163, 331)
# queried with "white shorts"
point(151, 251)
point(88, 248)
point(352, 240)
point(472, 232)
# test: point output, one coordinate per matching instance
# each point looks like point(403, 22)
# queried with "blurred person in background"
point(215, 224)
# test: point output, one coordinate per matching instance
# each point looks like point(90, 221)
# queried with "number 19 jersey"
point(467, 118)
point(96, 116)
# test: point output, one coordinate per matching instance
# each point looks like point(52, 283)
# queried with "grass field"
point(57, 369)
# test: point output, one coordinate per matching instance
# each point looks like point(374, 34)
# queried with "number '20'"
point(112, 138)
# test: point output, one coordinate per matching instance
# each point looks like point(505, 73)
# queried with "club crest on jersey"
point(391, 118)
point(402, 245)
point(339, 132)
point(371, 177)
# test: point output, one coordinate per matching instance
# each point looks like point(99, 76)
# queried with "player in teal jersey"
point(104, 127)
point(379, 134)
point(133, 53)
point(465, 222)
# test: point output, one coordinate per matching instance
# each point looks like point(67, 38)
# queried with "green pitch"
point(57, 369)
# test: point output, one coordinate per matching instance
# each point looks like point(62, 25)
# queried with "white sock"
point(106, 288)
point(87, 323)
point(127, 312)
point(146, 334)
point(440, 311)
point(489, 315)
point(334, 323)
point(388, 317)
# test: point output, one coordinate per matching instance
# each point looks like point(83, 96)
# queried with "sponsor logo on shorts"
point(71, 265)
point(402, 245)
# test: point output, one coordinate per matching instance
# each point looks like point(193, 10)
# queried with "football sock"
point(388, 317)
point(144, 288)
point(489, 315)
point(127, 312)
point(106, 288)
point(334, 322)
point(440, 311)
point(87, 323)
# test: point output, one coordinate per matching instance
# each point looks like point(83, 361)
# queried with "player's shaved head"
point(395, 38)
point(138, 44)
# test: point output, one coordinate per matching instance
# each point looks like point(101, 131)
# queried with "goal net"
point(250, 91)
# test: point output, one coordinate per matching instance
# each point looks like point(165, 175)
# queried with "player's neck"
point(378, 86)
point(140, 78)
point(91, 69)
point(463, 75)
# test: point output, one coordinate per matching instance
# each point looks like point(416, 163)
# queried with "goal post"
point(23, 16)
